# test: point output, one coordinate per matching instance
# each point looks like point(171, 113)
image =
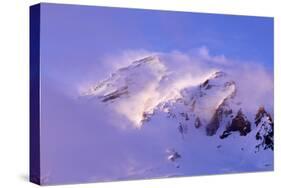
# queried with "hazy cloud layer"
point(183, 70)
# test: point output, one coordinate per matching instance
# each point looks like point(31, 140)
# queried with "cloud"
point(181, 70)
point(114, 62)
point(204, 53)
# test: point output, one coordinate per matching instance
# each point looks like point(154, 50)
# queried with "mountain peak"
point(151, 59)
point(218, 74)
point(136, 74)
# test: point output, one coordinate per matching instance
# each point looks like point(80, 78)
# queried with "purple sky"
point(74, 42)
point(75, 39)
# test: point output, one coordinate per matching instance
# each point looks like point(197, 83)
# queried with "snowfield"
point(160, 120)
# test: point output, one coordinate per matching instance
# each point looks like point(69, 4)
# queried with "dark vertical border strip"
point(273, 54)
point(34, 94)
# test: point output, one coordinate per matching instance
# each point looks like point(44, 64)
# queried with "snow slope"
point(182, 123)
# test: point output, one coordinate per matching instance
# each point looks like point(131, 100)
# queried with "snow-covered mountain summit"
point(129, 79)
point(147, 86)
point(210, 105)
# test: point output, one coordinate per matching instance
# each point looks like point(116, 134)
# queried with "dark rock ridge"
point(265, 132)
point(222, 111)
point(116, 94)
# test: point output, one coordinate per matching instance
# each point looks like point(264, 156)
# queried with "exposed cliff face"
point(222, 112)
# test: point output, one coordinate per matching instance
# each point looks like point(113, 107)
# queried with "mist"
point(177, 71)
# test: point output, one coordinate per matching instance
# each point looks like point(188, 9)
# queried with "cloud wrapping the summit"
point(183, 70)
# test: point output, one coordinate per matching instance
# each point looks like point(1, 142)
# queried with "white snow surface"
point(152, 108)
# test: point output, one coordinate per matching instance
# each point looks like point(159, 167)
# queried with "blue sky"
point(74, 39)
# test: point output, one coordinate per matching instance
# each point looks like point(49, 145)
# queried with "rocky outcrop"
point(239, 124)
point(222, 111)
point(197, 122)
point(265, 133)
point(115, 94)
point(173, 155)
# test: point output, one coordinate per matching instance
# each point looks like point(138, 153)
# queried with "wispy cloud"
point(182, 70)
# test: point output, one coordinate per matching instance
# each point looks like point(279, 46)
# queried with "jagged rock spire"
point(265, 133)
